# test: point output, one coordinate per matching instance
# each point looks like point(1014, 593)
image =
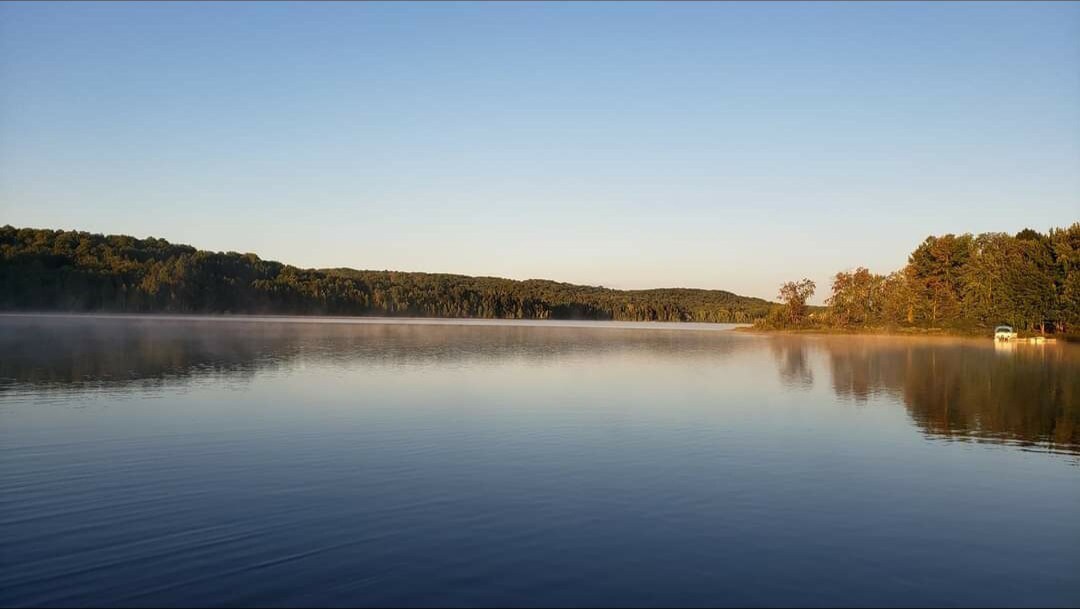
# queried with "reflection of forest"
point(793, 361)
point(72, 353)
point(956, 389)
point(1030, 393)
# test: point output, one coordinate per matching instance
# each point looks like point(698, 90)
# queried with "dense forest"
point(1029, 280)
point(55, 270)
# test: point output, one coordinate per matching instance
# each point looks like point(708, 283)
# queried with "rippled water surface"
point(172, 461)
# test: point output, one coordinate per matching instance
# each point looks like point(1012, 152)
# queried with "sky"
point(632, 145)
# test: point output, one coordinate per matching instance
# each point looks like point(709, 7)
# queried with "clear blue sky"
point(720, 145)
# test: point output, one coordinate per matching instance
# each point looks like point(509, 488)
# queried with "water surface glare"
point(189, 461)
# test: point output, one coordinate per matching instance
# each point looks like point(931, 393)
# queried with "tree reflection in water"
point(955, 389)
point(968, 389)
point(793, 363)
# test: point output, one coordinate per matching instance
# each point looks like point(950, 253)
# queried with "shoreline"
point(901, 332)
point(744, 328)
point(684, 326)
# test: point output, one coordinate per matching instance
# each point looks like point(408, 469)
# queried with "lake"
point(275, 462)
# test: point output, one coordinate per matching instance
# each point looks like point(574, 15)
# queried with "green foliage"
point(964, 283)
point(935, 272)
point(856, 297)
point(794, 295)
point(79, 271)
point(970, 282)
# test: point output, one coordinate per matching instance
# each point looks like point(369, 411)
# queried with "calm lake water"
point(172, 461)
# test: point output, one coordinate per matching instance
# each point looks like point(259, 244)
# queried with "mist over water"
point(174, 461)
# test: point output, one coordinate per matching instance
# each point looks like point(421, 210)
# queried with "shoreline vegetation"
point(901, 332)
point(952, 285)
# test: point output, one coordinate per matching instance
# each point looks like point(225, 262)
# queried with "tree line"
point(1029, 280)
point(56, 270)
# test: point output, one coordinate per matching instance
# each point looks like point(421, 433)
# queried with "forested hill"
point(52, 270)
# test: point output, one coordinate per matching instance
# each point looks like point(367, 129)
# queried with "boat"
point(1004, 333)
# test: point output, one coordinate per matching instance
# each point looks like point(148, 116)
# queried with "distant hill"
point(55, 270)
